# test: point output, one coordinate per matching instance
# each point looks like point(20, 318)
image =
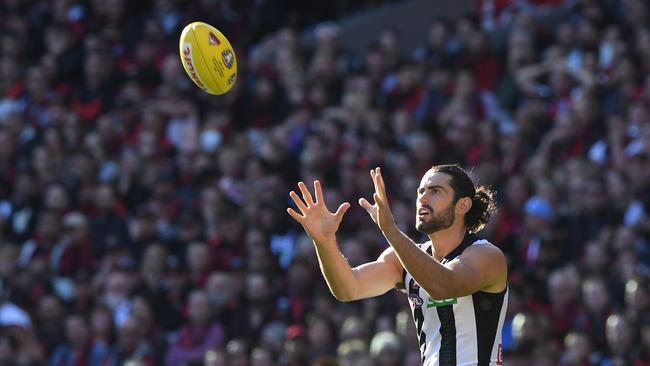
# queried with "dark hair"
point(483, 198)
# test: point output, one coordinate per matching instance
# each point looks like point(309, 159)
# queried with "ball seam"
point(200, 52)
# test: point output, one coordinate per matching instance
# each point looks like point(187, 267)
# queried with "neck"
point(444, 241)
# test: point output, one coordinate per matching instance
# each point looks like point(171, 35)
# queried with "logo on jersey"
point(416, 301)
point(413, 286)
point(435, 303)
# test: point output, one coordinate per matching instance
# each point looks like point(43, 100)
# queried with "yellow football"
point(208, 58)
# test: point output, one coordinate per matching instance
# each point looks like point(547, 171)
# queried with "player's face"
point(435, 209)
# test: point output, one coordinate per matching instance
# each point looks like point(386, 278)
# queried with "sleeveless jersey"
point(458, 331)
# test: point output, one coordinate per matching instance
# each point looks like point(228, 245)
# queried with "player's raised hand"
point(319, 223)
point(379, 211)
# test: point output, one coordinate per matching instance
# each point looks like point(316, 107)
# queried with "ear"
point(463, 205)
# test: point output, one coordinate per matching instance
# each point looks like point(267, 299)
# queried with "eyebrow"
point(433, 187)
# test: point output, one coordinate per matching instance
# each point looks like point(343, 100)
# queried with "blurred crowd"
point(143, 221)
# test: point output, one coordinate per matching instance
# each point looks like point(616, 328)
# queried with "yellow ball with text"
point(208, 58)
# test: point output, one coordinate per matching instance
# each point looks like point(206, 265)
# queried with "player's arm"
point(479, 268)
point(364, 281)
point(345, 283)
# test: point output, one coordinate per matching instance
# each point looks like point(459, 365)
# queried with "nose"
point(422, 198)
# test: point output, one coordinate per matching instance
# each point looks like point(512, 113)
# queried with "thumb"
point(365, 204)
point(341, 210)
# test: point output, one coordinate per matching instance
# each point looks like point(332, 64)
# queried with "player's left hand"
point(379, 211)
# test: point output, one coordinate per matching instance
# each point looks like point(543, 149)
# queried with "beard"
point(437, 222)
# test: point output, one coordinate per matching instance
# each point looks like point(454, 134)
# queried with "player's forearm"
point(427, 272)
point(337, 271)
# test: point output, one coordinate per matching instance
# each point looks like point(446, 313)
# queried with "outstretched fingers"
point(318, 190)
point(365, 204)
point(381, 187)
point(378, 200)
point(296, 216)
point(341, 211)
point(373, 175)
point(301, 205)
point(306, 195)
point(306, 202)
point(378, 181)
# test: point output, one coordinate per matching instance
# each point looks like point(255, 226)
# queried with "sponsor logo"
point(232, 78)
point(416, 301)
point(435, 303)
point(187, 56)
point(213, 40)
point(228, 58)
point(499, 356)
point(414, 285)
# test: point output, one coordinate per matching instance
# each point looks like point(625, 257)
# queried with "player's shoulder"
point(484, 247)
point(390, 252)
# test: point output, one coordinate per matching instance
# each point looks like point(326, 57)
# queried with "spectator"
point(198, 335)
point(620, 340)
point(217, 357)
point(260, 308)
point(353, 352)
point(238, 353)
point(295, 349)
point(112, 161)
point(76, 247)
point(198, 263)
point(564, 307)
point(77, 349)
point(46, 238)
point(262, 356)
point(108, 228)
point(386, 349)
point(225, 300)
point(539, 246)
point(24, 207)
point(152, 332)
point(8, 349)
point(578, 350)
point(152, 268)
point(131, 345)
point(49, 322)
point(321, 336)
point(102, 329)
point(597, 310)
point(637, 300)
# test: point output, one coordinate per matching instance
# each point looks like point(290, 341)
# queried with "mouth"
point(423, 212)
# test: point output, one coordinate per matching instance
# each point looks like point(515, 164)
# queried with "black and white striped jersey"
point(458, 331)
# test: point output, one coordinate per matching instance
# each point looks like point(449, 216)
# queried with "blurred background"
point(142, 221)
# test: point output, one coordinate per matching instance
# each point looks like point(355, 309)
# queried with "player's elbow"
point(343, 296)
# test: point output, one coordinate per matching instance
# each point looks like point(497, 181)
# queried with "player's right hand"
point(380, 211)
point(319, 223)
